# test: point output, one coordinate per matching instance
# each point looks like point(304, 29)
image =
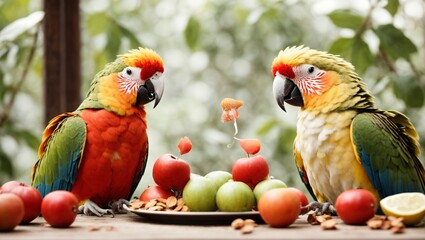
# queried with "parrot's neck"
point(107, 94)
point(347, 93)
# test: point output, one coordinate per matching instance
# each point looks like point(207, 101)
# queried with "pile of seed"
point(171, 204)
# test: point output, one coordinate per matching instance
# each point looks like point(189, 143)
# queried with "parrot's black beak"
point(285, 90)
point(151, 90)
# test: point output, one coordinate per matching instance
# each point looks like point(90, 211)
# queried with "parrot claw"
point(118, 206)
point(319, 208)
point(91, 208)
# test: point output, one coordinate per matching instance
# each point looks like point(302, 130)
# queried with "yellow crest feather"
point(297, 55)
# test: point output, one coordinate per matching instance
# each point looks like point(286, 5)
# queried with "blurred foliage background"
point(213, 49)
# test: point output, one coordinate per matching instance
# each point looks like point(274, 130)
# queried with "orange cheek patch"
point(329, 79)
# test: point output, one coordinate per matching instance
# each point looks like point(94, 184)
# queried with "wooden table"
point(131, 226)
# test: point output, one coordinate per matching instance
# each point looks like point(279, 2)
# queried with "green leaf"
point(192, 33)
point(262, 13)
point(394, 42)
point(6, 164)
point(354, 50)
point(361, 57)
point(285, 140)
point(392, 6)
point(114, 41)
point(342, 47)
point(29, 138)
point(97, 23)
point(16, 28)
point(255, 15)
point(346, 19)
point(409, 90)
point(13, 9)
point(266, 127)
point(134, 42)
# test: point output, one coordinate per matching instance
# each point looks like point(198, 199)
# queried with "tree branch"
point(8, 106)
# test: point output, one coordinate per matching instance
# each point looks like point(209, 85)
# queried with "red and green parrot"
point(343, 141)
point(99, 151)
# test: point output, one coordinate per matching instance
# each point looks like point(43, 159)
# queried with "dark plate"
point(199, 218)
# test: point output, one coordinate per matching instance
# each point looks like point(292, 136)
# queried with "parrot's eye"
point(307, 71)
point(132, 73)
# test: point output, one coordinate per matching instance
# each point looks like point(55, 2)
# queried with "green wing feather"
point(60, 155)
point(387, 145)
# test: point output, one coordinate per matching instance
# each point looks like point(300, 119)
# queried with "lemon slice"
point(410, 206)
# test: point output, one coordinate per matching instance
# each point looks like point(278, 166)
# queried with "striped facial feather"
point(308, 78)
point(129, 80)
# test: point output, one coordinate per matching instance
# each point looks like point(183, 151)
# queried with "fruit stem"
point(235, 124)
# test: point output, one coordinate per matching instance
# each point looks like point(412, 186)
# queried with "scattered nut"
point(312, 219)
point(93, 228)
point(250, 222)
point(382, 222)
point(326, 222)
point(386, 225)
point(98, 228)
point(323, 218)
point(238, 223)
point(397, 229)
point(329, 224)
point(109, 228)
point(375, 224)
point(245, 226)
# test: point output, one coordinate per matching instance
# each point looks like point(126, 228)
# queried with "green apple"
point(235, 196)
point(199, 194)
point(219, 177)
point(266, 185)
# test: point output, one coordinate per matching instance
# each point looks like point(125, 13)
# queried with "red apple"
point(170, 172)
point(356, 206)
point(8, 186)
point(59, 208)
point(155, 192)
point(30, 196)
point(11, 211)
point(301, 195)
point(251, 170)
